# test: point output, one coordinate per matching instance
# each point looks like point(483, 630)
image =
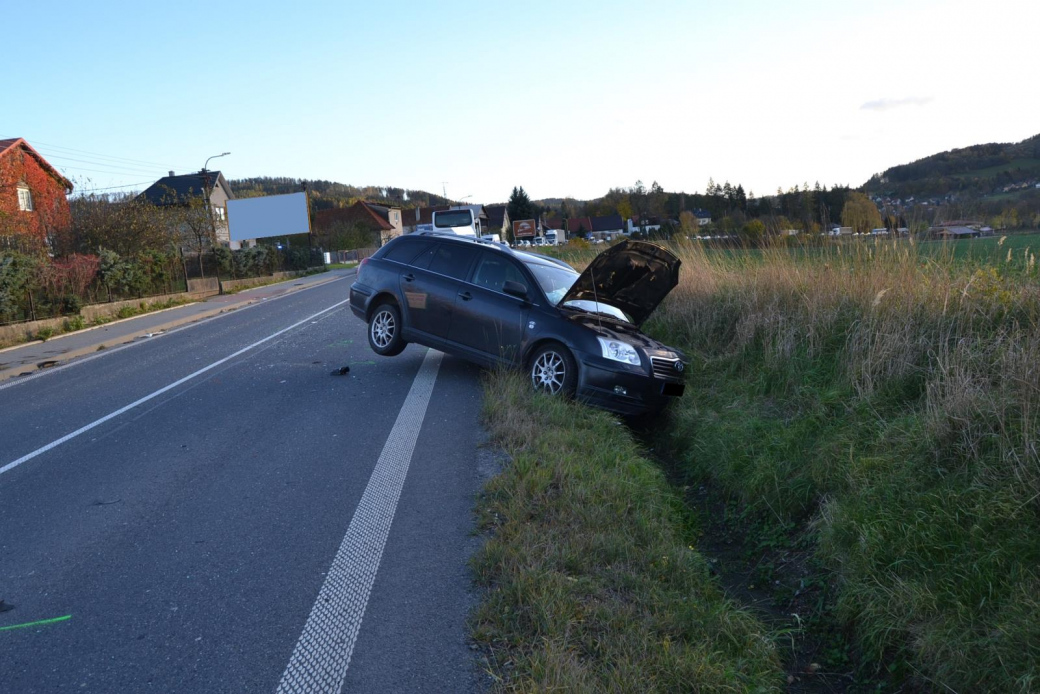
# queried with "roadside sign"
point(523, 228)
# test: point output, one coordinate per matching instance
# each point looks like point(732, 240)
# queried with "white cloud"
point(889, 104)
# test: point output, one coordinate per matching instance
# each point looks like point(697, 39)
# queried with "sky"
point(565, 98)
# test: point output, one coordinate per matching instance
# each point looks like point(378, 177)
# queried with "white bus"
point(459, 222)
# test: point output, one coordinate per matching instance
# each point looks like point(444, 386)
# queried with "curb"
point(29, 369)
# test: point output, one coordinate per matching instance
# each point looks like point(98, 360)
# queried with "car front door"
point(486, 319)
point(430, 284)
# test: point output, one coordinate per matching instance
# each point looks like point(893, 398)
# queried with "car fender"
point(378, 299)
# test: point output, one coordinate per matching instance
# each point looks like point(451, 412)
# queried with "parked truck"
point(555, 237)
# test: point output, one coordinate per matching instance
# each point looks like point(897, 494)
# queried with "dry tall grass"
point(891, 394)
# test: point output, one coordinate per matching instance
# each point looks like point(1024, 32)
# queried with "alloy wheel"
point(549, 372)
point(383, 328)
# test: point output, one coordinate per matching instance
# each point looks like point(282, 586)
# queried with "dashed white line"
point(322, 655)
point(53, 444)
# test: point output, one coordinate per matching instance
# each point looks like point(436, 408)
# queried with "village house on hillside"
point(380, 219)
point(34, 206)
point(178, 190)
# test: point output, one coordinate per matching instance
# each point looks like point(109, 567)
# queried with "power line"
point(107, 156)
point(123, 167)
point(111, 173)
point(128, 185)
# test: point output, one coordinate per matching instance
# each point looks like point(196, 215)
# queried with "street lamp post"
point(206, 202)
point(222, 154)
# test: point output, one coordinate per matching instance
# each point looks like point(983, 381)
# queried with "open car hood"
point(634, 276)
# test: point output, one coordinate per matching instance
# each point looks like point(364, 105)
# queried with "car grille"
point(665, 368)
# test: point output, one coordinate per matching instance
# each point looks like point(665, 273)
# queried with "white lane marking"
point(29, 456)
point(322, 655)
point(17, 380)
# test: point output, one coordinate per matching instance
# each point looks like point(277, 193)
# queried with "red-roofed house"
point(33, 203)
point(378, 218)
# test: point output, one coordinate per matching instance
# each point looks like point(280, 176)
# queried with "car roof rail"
point(466, 239)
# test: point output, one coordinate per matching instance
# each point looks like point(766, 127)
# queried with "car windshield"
point(555, 281)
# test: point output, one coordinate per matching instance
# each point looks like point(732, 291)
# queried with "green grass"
point(887, 406)
point(1026, 165)
point(590, 580)
point(340, 266)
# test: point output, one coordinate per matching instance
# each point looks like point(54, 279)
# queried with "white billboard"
point(271, 215)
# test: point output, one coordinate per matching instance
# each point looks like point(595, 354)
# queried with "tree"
point(860, 213)
point(688, 224)
point(520, 205)
point(754, 230)
point(193, 222)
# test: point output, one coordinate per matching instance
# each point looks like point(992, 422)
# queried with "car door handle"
point(465, 296)
point(408, 278)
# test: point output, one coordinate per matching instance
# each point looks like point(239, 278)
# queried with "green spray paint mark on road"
point(363, 363)
point(40, 623)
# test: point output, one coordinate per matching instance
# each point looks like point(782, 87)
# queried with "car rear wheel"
point(384, 331)
point(553, 370)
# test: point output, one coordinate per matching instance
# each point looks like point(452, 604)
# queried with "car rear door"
point(430, 284)
point(486, 319)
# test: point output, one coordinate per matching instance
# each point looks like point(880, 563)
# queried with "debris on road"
point(341, 371)
point(5, 606)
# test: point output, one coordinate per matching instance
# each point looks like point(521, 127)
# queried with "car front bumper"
point(623, 388)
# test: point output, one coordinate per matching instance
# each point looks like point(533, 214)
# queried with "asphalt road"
point(228, 516)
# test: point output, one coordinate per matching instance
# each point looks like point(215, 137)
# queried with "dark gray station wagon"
point(575, 334)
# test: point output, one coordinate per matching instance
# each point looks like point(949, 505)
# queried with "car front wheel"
point(553, 370)
point(384, 331)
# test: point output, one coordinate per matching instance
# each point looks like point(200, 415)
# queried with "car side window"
point(449, 259)
point(494, 270)
point(404, 250)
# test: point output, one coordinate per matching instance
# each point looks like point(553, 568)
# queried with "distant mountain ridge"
point(979, 170)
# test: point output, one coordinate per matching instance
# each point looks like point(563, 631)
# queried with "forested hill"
point(979, 170)
point(328, 194)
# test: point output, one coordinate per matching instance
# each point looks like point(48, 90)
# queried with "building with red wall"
point(34, 206)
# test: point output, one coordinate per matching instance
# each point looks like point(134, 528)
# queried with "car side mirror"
point(515, 289)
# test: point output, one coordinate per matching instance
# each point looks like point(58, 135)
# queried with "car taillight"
point(361, 266)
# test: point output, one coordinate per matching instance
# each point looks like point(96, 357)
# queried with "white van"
point(459, 222)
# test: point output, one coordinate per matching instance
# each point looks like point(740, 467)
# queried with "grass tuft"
point(591, 582)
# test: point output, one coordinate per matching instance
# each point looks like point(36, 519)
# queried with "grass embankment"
point(592, 585)
point(884, 401)
point(76, 323)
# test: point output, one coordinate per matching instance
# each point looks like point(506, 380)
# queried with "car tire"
point(553, 370)
point(384, 331)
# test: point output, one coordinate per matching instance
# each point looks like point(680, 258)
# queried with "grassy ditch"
point(879, 406)
point(591, 581)
point(76, 323)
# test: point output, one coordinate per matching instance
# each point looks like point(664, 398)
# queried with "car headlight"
point(619, 351)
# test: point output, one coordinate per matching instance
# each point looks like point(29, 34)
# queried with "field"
point(865, 419)
point(991, 172)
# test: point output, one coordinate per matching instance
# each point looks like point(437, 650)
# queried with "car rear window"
point(405, 250)
point(448, 259)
